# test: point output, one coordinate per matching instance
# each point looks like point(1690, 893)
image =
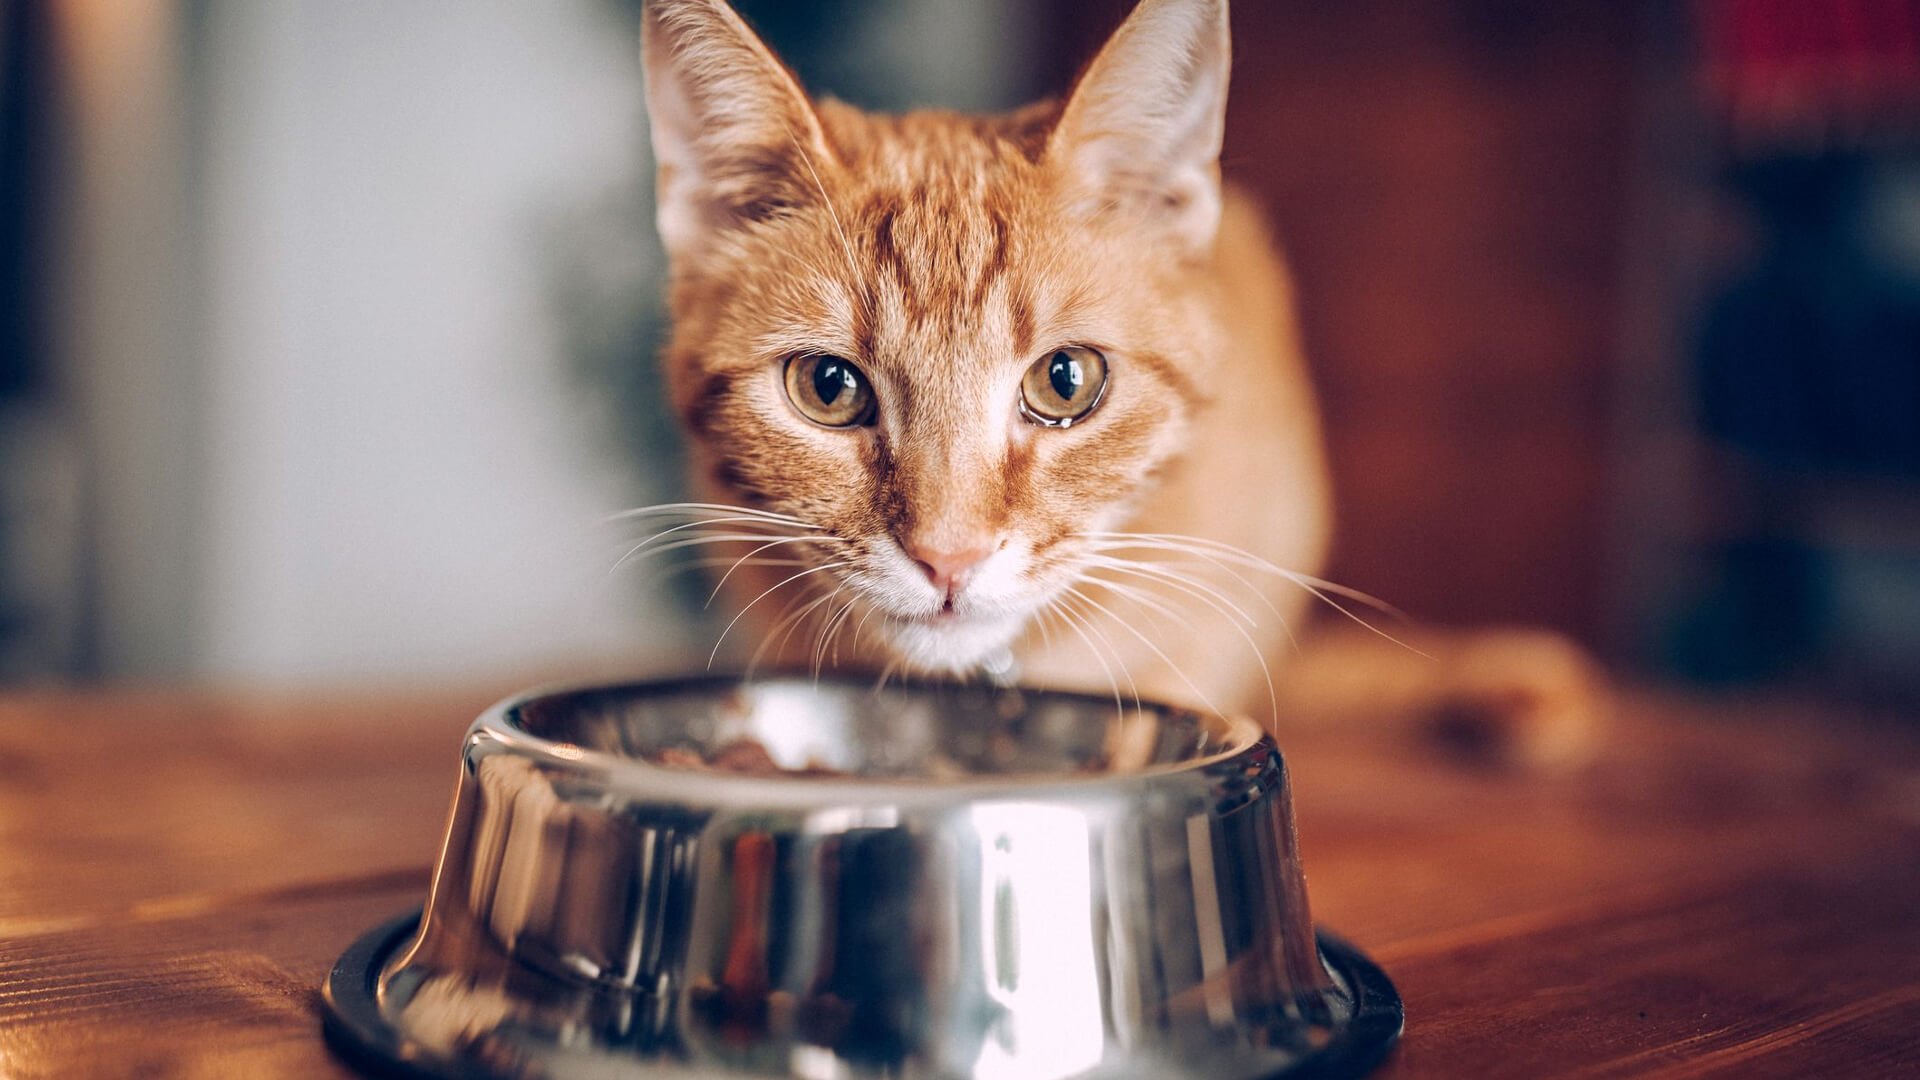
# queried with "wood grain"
point(1725, 892)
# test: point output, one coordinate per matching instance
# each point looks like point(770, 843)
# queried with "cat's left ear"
point(1141, 131)
point(734, 136)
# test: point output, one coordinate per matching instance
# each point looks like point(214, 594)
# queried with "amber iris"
point(830, 391)
point(1062, 387)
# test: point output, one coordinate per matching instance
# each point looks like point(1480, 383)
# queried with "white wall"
point(402, 480)
point(327, 418)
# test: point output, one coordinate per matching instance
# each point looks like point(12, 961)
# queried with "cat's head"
point(956, 344)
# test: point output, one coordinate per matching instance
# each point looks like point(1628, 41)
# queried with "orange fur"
point(942, 254)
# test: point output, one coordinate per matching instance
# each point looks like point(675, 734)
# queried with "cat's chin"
point(950, 645)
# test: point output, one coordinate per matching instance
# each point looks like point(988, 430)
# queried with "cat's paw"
point(1519, 698)
point(1514, 697)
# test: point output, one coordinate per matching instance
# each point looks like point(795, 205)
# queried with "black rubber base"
point(363, 1038)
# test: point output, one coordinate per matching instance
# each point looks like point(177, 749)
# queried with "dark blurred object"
point(1612, 306)
point(39, 579)
point(1613, 311)
point(1810, 348)
point(1810, 345)
point(1811, 71)
point(874, 52)
point(1450, 182)
point(24, 84)
point(896, 55)
point(1791, 547)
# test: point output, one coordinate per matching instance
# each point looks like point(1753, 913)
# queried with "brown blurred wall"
point(1450, 180)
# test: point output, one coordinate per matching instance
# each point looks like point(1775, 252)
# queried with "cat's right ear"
point(734, 137)
point(1141, 130)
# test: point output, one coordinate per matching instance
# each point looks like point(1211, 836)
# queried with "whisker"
point(719, 561)
point(1286, 626)
point(819, 634)
point(1194, 545)
point(1259, 654)
point(1054, 608)
point(1193, 587)
point(1335, 605)
point(708, 523)
point(834, 638)
point(846, 246)
point(722, 583)
point(1353, 594)
point(783, 617)
point(1113, 650)
point(1040, 621)
point(828, 631)
point(1141, 596)
point(715, 654)
point(635, 554)
point(861, 626)
point(791, 620)
point(1318, 587)
point(718, 523)
point(1156, 650)
point(710, 562)
point(1209, 560)
point(688, 509)
point(1076, 621)
point(818, 649)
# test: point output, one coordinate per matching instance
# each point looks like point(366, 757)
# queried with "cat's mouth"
point(949, 631)
point(944, 616)
point(947, 640)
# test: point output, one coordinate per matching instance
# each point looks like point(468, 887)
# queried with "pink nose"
point(948, 568)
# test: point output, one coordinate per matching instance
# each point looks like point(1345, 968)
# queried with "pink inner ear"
point(1143, 129)
point(734, 135)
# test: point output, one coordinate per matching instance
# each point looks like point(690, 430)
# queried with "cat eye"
point(1062, 387)
point(830, 391)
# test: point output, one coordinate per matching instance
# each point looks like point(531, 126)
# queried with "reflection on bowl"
point(910, 882)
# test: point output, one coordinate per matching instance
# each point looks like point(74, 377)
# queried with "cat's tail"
point(1503, 697)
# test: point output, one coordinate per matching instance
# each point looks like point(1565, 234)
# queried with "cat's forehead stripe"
point(943, 253)
point(940, 267)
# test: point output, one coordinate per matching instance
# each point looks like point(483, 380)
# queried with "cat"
point(1018, 393)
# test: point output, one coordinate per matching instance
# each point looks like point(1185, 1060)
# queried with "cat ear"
point(734, 136)
point(1142, 129)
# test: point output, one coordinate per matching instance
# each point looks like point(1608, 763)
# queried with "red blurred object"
point(1827, 70)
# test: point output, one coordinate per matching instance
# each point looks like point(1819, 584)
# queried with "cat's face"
point(954, 346)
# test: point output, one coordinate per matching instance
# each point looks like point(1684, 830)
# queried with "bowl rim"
point(638, 777)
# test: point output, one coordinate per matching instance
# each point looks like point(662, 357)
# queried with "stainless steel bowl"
point(933, 882)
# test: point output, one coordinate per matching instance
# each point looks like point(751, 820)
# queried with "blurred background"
point(326, 325)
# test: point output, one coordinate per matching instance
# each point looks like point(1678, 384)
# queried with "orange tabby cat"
point(1018, 392)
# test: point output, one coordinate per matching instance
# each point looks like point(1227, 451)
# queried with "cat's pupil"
point(831, 378)
point(1066, 376)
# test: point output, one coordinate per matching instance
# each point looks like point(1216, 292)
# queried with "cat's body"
point(968, 375)
point(1251, 475)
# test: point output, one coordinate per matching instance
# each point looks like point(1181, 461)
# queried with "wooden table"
point(1723, 893)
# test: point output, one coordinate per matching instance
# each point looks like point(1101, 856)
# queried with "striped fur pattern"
point(943, 254)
